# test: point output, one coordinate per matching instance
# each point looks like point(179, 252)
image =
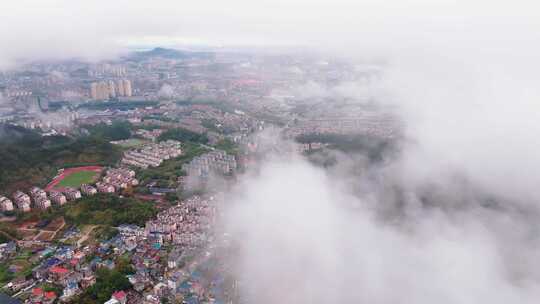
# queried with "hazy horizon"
point(450, 216)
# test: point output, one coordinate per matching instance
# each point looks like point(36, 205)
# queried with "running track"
point(70, 171)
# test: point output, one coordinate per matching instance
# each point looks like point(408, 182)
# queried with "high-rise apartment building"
point(120, 87)
point(127, 88)
point(104, 90)
point(94, 90)
point(112, 89)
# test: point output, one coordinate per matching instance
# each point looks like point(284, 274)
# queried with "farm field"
point(30, 230)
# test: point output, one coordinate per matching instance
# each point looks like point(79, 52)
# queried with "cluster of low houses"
point(305, 147)
point(215, 161)
point(117, 179)
point(150, 134)
point(7, 250)
point(158, 271)
point(185, 224)
point(187, 228)
point(63, 266)
point(114, 180)
point(68, 267)
point(370, 124)
point(118, 297)
point(152, 155)
point(38, 199)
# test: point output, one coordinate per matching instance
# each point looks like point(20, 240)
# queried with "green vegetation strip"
point(28, 159)
point(100, 209)
point(183, 135)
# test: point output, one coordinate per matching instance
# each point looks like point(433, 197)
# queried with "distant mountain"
point(170, 54)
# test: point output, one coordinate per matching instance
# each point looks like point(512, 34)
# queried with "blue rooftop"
point(52, 261)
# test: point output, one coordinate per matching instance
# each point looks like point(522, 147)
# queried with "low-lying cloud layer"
point(475, 115)
point(306, 236)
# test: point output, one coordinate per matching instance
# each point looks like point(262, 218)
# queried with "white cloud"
point(93, 29)
point(301, 242)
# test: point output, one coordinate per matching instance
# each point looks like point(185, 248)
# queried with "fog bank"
point(306, 236)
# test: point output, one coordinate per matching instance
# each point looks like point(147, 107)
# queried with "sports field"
point(76, 179)
point(130, 143)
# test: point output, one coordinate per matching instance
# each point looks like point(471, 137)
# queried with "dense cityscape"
point(176, 128)
point(267, 151)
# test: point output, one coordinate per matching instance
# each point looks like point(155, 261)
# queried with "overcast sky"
point(40, 29)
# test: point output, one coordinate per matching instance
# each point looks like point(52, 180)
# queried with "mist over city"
point(269, 152)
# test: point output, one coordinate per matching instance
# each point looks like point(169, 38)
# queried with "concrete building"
point(112, 89)
point(41, 201)
point(127, 88)
point(214, 161)
point(120, 178)
point(37, 192)
point(104, 187)
point(72, 193)
point(120, 88)
point(94, 90)
point(152, 155)
point(88, 190)
point(123, 88)
point(5, 204)
point(22, 200)
point(102, 90)
point(58, 198)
